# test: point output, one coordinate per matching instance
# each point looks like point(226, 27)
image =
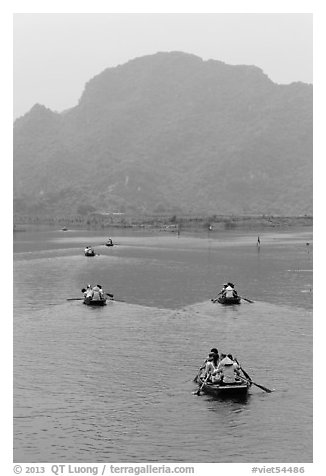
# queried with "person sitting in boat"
point(235, 294)
point(229, 291)
point(88, 291)
point(109, 242)
point(211, 366)
point(226, 371)
point(101, 291)
point(216, 358)
point(222, 292)
point(96, 293)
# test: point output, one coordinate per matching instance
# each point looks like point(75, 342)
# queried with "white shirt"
point(228, 371)
point(210, 367)
point(229, 292)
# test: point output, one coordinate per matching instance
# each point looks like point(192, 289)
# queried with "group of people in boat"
point(89, 249)
point(94, 293)
point(220, 369)
point(228, 291)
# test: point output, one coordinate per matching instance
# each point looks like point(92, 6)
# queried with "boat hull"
point(91, 302)
point(228, 301)
point(90, 253)
point(238, 390)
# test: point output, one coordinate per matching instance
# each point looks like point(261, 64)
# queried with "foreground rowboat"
point(220, 390)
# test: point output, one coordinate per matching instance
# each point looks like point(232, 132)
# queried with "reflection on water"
point(116, 383)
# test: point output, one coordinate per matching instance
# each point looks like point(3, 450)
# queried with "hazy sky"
point(55, 54)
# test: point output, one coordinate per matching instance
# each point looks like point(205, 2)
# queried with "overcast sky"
point(55, 54)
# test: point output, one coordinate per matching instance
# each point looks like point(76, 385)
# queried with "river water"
point(115, 384)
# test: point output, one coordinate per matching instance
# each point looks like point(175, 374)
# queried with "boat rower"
point(226, 371)
point(88, 291)
point(229, 291)
point(210, 366)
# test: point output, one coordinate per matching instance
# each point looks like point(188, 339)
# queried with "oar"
point(245, 299)
point(201, 368)
point(113, 298)
point(75, 299)
point(215, 299)
point(257, 385)
point(243, 371)
point(198, 391)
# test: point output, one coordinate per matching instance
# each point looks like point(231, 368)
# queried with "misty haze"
point(163, 253)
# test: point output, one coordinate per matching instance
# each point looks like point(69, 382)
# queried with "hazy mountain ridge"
point(170, 132)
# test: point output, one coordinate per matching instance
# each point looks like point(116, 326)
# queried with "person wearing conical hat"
point(226, 371)
point(96, 296)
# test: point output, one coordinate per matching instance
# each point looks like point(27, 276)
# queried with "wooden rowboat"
point(89, 252)
point(91, 302)
point(220, 390)
point(229, 300)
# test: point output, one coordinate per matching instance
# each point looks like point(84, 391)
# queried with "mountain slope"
point(170, 132)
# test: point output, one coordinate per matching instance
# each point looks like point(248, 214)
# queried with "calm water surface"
point(116, 383)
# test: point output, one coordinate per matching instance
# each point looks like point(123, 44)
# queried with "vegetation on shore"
point(174, 223)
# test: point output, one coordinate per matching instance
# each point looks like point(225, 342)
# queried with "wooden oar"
point(215, 299)
point(249, 378)
point(75, 299)
point(113, 298)
point(257, 385)
point(201, 368)
point(245, 299)
point(198, 391)
point(243, 370)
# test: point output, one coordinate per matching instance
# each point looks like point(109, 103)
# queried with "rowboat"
point(92, 302)
point(229, 300)
point(89, 252)
point(238, 389)
point(109, 243)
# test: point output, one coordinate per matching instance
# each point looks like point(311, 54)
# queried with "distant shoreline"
point(173, 224)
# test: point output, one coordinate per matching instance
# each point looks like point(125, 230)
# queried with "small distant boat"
point(92, 302)
point(89, 252)
point(109, 243)
point(229, 300)
point(64, 229)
